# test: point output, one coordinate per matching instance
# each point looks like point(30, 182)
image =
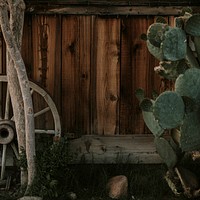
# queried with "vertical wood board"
point(107, 75)
point(85, 40)
point(142, 69)
point(69, 65)
point(92, 66)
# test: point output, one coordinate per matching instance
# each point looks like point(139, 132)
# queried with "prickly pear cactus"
point(192, 25)
point(166, 152)
point(147, 112)
point(169, 110)
point(178, 50)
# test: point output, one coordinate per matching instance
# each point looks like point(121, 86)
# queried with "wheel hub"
point(7, 131)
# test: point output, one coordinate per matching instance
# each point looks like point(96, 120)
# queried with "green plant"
point(178, 111)
point(53, 172)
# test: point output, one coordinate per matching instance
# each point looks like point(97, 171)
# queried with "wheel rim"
point(7, 124)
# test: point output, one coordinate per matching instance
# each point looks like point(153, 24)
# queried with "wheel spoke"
point(41, 112)
point(3, 161)
point(32, 90)
point(15, 150)
point(50, 132)
point(7, 108)
point(1, 96)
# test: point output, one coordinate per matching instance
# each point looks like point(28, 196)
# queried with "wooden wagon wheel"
point(7, 124)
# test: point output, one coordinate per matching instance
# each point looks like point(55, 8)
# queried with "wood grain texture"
point(44, 61)
point(92, 65)
point(27, 46)
point(135, 149)
point(69, 69)
point(85, 53)
point(108, 10)
point(107, 75)
point(116, 2)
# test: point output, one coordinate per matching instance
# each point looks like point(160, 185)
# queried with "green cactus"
point(192, 26)
point(155, 51)
point(146, 105)
point(190, 132)
point(166, 152)
point(171, 69)
point(155, 33)
point(166, 43)
point(178, 111)
point(188, 84)
point(175, 44)
point(140, 94)
point(152, 124)
point(169, 110)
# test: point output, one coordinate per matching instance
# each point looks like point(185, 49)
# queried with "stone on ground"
point(117, 187)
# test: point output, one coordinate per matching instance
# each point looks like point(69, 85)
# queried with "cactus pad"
point(171, 69)
point(155, 51)
point(174, 45)
point(160, 19)
point(192, 26)
point(169, 110)
point(146, 105)
point(188, 84)
point(139, 94)
point(152, 124)
point(166, 152)
point(190, 132)
point(190, 104)
point(155, 33)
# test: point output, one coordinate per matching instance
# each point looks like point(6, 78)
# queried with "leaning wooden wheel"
point(7, 124)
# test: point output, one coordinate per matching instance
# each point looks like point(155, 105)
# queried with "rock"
point(71, 195)
point(117, 187)
point(30, 198)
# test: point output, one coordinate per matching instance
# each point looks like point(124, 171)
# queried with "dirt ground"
point(88, 182)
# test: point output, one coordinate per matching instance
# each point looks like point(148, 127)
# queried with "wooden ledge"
point(106, 10)
point(134, 149)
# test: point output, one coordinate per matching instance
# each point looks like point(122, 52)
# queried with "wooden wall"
point(92, 65)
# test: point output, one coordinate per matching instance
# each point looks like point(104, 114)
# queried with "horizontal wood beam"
point(102, 10)
point(134, 149)
point(118, 2)
point(107, 10)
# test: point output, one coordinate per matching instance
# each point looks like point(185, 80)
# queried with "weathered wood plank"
point(37, 25)
point(110, 10)
point(85, 42)
point(50, 70)
point(117, 2)
point(93, 66)
point(126, 119)
point(93, 73)
point(140, 66)
point(27, 52)
point(114, 149)
point(2, 55)
point(57, 90)
point(107, 75)
point(44, 51)
point(9, 156)
point(69, 64)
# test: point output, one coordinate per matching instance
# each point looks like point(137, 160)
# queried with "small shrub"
point(52, 168)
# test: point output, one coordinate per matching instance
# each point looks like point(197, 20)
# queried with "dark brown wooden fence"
point(92, 65)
